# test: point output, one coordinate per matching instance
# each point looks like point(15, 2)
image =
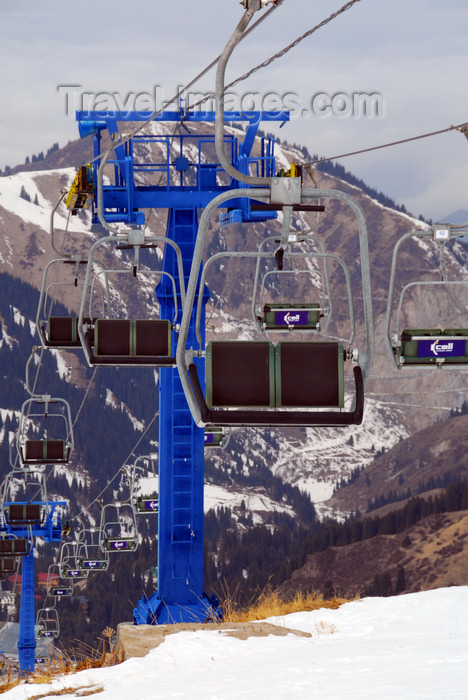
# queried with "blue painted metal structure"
point(50, 531)
point(188, 177)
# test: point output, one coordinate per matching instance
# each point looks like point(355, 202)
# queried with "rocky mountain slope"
point(429, 554)
point(398, 404)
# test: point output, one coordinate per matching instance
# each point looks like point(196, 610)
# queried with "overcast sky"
point(411, 55)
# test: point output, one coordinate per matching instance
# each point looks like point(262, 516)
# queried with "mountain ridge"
point(294, 471)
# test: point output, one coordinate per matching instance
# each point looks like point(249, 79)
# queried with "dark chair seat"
point(24, 513)
point(63, 330)
point(45, 451)
point(240, 373)
point(18, 546)
point(309, 375)
point(8, 565)
point(123, 341)
point(243, 378)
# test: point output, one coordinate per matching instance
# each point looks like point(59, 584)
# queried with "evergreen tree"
point(400, 584)
point(24, 194)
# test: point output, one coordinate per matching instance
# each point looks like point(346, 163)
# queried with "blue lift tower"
point(24, 521)
point(188, 178)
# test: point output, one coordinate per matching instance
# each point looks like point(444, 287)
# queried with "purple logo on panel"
point(121, 544)
point(441, 347)
point(151, 505)
point(291, 318)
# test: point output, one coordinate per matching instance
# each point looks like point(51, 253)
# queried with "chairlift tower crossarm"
point(124, 199)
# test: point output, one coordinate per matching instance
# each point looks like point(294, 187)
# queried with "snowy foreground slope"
point(408, 647)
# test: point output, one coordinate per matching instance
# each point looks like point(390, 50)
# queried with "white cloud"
point(414, 54)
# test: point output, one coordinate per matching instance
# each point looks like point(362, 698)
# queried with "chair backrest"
point(309, 374)
point(45, 450)
point(126, 338)
point(62, 329)
point(240, 373)
point(24, 513)
point(299, 374)
point(15, 546)
point(8, 565)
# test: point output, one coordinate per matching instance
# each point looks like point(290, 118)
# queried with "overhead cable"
point(121, 468)
point(280, 53)
point(297, 41)
point(459, 127)
point(183, 89)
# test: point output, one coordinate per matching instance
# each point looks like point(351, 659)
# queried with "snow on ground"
point(63, 368)
point(37, 214)
point(411, 647)
point(255, 501)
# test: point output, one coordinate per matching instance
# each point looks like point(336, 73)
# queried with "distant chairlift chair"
point(89, 553)
point(145, 500)
point(293, 315)
point(425, 348)
point(33, 507)
point(122, 341)
point(113, 535)
point(45, 450)
point(61, 331)
point(47, 623)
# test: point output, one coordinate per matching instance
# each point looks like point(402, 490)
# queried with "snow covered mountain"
point(314, 460)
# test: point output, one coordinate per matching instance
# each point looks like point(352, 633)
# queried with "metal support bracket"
point(286, 190)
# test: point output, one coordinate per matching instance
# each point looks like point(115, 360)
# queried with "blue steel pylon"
point(27, 632)
point(179, 597)
point(191, 184)
point(49, 531)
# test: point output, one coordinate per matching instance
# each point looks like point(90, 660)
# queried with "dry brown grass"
point(86, 658)
point(80, 691)
point(9, 683)
point(269, 604)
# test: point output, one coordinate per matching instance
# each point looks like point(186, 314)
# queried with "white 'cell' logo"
point(436, 348)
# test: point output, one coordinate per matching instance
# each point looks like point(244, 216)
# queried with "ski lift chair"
point(253, 383)
point(144, 503)
point(32, 509)
point(45, 450)
point(89, 553)
point(69, 564)
point(119, 342)
point(59, 331)
point(11, 545)
point(217, 436)
point(8, 565)
point(425, 348)
point(55, 587)
point(112, 534)
point(47, 623)
point(293, 315)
